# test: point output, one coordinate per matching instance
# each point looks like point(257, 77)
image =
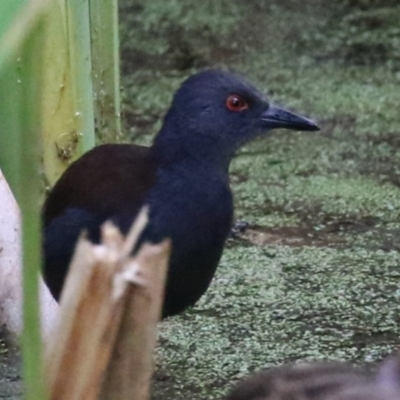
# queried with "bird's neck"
point(175, 144)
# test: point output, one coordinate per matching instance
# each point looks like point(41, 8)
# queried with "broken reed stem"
point(129, 372)
point(101, 287)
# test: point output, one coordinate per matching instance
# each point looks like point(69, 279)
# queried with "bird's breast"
point(191, 209)
point(195, 211)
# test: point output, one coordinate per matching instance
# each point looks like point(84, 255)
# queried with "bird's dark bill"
point(276, 117)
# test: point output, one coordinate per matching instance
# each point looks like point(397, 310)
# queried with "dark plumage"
point(183, 177)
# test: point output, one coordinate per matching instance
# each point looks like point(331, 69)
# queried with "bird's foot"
point(239, 227)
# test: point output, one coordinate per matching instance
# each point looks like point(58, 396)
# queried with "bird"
point(319, 380)
point(183, 177)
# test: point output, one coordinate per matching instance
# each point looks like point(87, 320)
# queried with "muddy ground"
point(315, 275)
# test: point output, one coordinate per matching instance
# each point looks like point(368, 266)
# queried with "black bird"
point(183, 177)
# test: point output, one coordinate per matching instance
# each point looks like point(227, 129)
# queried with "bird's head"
point(213, 113)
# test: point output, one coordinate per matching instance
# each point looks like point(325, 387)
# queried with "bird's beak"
point(276, 117)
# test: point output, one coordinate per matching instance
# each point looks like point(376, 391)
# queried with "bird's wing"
point(107, 180)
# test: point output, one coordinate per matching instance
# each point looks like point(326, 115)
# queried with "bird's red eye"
point(236, 103)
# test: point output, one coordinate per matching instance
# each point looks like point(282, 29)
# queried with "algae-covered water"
point(315, 275)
